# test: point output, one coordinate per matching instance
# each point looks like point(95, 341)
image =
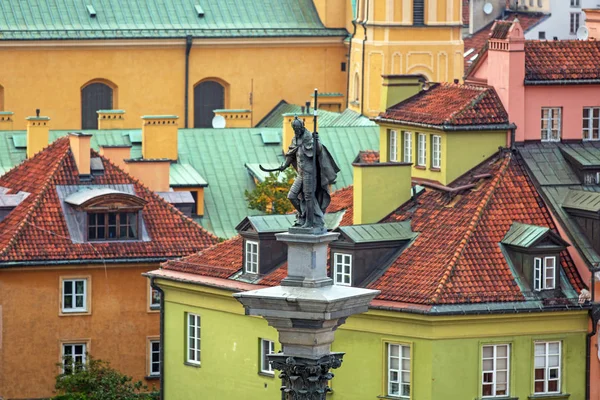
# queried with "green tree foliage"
point(96, 380)
point(270, 196)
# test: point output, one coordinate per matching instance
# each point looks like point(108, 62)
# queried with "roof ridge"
point(39, 196)
point(470, 230)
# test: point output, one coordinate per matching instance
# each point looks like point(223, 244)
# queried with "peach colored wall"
point(32, 329)
point(572, 99)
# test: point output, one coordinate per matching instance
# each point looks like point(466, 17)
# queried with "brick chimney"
point(111, 119)
point(397, 88)
point(592, 22)
point(154, 173)
point(159, 137)
point(506, 70)
point(117, 154)
point(6, 121)
point(379, 188)
point(80, 147)
point(38, 133)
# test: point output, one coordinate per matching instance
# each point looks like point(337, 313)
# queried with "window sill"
point(189, 364)
point(154, 309)
point(423, 168)
point(393, 397)
point(497, 398)
point(435, 169)
point(549, 396)
point(64, 313)
point(267, 374)
point(152, 377)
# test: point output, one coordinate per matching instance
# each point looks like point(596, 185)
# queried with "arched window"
point(209, 95)
point(356, 96)
point(95, 95)
point(1, 98)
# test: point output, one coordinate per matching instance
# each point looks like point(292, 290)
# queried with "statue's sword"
point(267, 169)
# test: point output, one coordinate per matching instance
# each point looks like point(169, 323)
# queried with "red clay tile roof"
point(478, 40)
point(450, 105)
point(562, 60)
point(456, 257)
point(36, 230)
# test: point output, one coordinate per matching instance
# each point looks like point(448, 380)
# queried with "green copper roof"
point(326, 119)
point(270, 137)
point(582, 200)
point(124, 19)
point(220, 156)
point(259, 174)
point(281, 223)
point(585, 154)
point(370, 233)
point(184, 175)
point(523, 235)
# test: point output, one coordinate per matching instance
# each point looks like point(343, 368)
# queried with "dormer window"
point(342, 265)
point(534, 252)
point(109, 214)
point(251, 261)
point(544, 275)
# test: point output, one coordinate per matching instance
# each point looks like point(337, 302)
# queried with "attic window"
point(112, 226)
point(544, 276)
point(91, 10)
point(199, 10)
point(342, 264)
point(251, 257)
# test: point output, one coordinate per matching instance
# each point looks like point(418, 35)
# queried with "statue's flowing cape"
point(329, 170)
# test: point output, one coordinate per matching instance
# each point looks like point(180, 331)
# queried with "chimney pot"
point(456, 81)
point(37, 112)
point(80, 147)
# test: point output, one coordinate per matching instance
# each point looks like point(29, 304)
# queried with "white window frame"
point(154, 305)
point(553, 113)
point(74, 295)
point(422, 150)
point(588, 123)
point(436, 151)
point(574, 22)
point(495, 370)
point(341, 274)
point(265, 366)
point(151, 352)
point(393, 145)
point(542, 361)
point(407, 139)
point(250, 266)
point(192, 338)
point(82, 356)
point(398, 376)
point(541, 275)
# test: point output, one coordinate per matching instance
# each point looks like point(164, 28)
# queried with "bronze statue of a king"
point(316, 170)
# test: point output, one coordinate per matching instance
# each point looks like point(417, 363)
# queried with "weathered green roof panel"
point(184, 175)
point(582, 200)
point(259, 174)
point(20, 141)
point(523, 235)
point(327, 119)
point(123, 19)
point(270, 137)
point(585, 155)
point(369, 233)
point(281, 223)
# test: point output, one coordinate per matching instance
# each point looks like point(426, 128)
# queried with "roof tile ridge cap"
point(470, 230)
point(156, 197)
point(38, 198)
point(200, 253)
point(470, 104)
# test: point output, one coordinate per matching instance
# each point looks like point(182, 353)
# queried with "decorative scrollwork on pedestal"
point(304, 378)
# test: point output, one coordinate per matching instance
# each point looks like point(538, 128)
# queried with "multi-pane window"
point(266, 347)
point(495, 370)
point(74, 292)
point(193, 339)
point(551, 124)
point(542, 35)
point(575, 3)
point(407, 147)
point(251, 264)
point(544, 273)
point(112, 226)
point(398, 365)
point(591, 123)
point(154, 298)
point(393, 142)
point(73, 355)
point(436, 151)
point(154, 357)
point(547, 367)
point(342, 266)
point(421, 149)
point(575, 22)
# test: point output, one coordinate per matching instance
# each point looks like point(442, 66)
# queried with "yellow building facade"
point(402, 37)
point(169, 58)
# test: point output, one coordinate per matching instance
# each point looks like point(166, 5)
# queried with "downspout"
point(188, 48)
point(349, 68)
point(362, 78)
point(588, 337)
point(162, 336)
point(512, 137)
